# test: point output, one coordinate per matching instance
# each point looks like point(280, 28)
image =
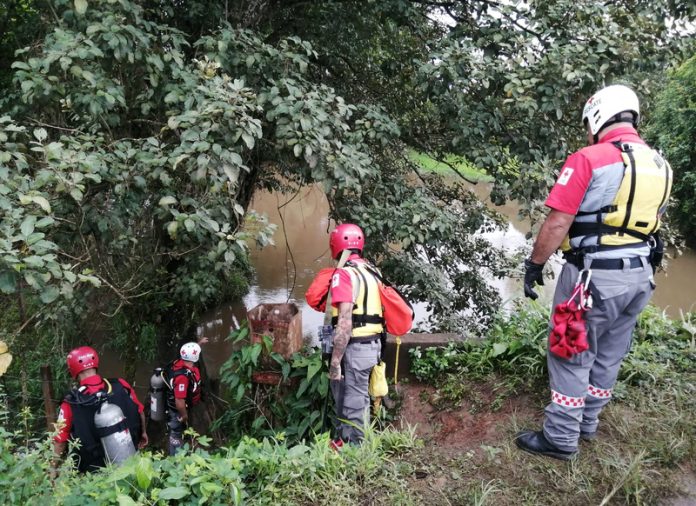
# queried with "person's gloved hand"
point(533, 273)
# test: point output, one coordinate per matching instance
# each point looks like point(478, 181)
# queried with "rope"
point(396, 363)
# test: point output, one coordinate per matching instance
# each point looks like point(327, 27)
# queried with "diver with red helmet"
point(83, 410)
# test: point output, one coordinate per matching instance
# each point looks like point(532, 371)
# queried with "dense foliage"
point(513, 356)
point(673, 129)
point(254, 471)
point(294, 403)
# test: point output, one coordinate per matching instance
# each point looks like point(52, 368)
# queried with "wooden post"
point(47, 387)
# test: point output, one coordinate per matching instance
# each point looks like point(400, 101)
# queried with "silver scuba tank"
point(157, 386)
point(118, 445)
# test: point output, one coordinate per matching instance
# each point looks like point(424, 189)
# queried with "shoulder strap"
point(328, 310)
point(382, 280)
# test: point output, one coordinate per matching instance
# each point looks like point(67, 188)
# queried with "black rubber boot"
point(588, 436)
point(535, 442)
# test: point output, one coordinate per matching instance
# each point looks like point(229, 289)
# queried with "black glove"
point(657, 252)
point(533, 273)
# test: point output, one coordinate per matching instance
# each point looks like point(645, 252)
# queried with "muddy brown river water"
point(284, 271)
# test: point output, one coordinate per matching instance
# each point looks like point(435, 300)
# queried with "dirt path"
point(469, 456)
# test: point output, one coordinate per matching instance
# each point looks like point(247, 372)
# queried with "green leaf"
point(297, 450)
point(8, 282)
point(80, 6)
point(209, 488)
point(312, 369)
point(172, 493)
point(40, 134)
point(248, 140)
point(76, 194)
point(124, 500)
point(144, 473)
point(44, 222)
point(302, 388)
point(172, 227)
point(50, 294)
point(499, 348)
point(27, 226)
point(93, 280)
point(167, 201)
point(41, 201)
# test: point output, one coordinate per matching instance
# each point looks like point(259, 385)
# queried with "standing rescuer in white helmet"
point(183, 380)
point(605, 215)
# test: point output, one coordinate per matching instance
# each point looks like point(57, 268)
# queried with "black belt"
point(364, 339)
point(603, 263)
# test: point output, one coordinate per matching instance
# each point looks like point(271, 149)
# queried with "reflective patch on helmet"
point(565, 176)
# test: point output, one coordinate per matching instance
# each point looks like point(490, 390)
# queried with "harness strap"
point(361, 320)
point(584, 229)
point(107, 431)
point(632, 192)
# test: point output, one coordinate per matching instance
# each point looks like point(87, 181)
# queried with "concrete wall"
point(409, 341)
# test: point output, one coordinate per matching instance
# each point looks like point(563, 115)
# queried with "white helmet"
point(602, 107)
point(190, 352)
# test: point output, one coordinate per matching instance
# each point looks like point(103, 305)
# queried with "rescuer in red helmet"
point(358, 330)
point(77, 411)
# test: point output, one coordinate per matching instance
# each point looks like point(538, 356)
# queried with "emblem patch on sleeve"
point(335, 280)
point(565, 176)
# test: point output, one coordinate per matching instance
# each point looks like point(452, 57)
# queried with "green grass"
point(462, 166)
point(645, 441)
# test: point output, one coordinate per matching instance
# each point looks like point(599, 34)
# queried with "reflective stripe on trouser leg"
point(359, 360)
point(609, 328)
point(612, 346)
point(568, 380)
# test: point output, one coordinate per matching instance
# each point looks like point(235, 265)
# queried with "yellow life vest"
point(367, 308)
point(638, 205)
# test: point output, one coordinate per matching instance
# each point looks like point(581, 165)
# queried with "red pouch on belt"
point(568, 335)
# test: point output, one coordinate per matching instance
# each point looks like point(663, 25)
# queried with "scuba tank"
point(157, 405)
point(113, 431)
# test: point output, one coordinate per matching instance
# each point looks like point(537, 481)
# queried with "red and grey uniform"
point(355, 284)
point(76, 417)
point(582, 385)
point(184, 382)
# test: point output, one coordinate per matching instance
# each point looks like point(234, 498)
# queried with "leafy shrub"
point(254, 471)
point(663, 352)
point(515, 346)
point(296, 408)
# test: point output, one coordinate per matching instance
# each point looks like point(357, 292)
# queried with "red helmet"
point(81, 359)
point(346, 236)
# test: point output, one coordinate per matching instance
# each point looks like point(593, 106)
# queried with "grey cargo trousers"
point(582, 385)
point(351, 395)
